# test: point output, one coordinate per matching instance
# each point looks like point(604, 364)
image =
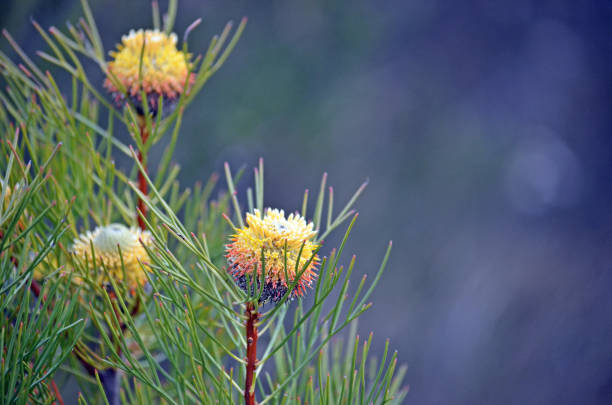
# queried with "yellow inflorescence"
point(165, 69)
point(8, 191)
point(4, 204)
point(108, 242)
point(7, 195)
point(281, 240)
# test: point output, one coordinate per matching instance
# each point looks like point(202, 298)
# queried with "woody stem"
point(251, 341)
point(142, 181)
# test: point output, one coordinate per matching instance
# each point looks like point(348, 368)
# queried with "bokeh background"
point(484, 128)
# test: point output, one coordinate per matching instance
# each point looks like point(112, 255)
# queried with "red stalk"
point(58, 396)
point(251, 341)
point(142, 181)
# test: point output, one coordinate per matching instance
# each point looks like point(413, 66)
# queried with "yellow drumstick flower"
point(273, 233)
point(164, 71)
point(114, 245)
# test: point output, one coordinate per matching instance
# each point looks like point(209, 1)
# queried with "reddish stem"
point(35, 288)
point(142, 181)
point(251, 341)
point(58, 396)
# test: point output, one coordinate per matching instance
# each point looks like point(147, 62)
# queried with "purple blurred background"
point(484, 128)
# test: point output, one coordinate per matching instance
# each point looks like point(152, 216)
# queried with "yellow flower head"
point(7, 194)
point(165, 69)
point(108, 241)
point(4, 204)
point(279, 237)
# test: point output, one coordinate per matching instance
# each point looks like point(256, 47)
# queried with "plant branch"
point(58, 396)
point(91, 370)
point(251, 341)
point(142, 180)
point(35, 288)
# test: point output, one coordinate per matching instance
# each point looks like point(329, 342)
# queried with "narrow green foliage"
point(180, 338)
point(36, 334)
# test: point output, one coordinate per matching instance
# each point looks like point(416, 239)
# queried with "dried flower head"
point(281, 240)
point(165, 70)
point(114, 245)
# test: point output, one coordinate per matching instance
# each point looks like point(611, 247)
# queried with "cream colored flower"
point(118, 249)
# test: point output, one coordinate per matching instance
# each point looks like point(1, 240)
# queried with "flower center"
point(112, 236)
point(281, 227)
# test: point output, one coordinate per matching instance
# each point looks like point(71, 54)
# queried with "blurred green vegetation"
point(484, 131)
